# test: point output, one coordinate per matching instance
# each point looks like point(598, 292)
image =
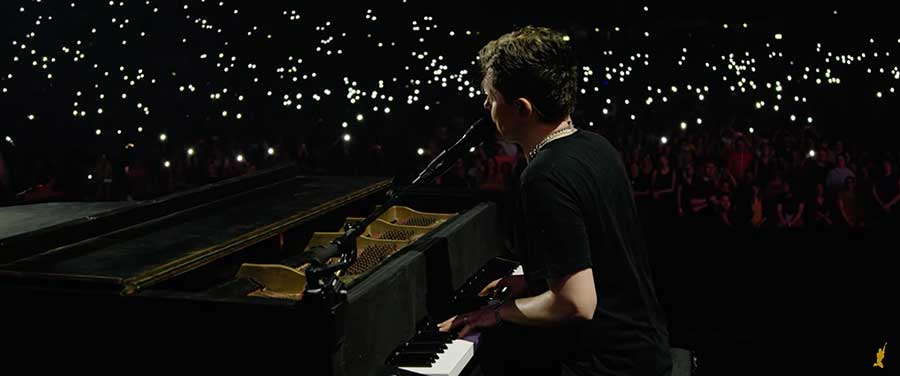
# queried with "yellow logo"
point(879, 357)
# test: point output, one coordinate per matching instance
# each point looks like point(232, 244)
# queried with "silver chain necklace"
point(552, 136)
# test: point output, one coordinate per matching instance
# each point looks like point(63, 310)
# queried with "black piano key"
point(405, 352)
point(431, 332)
point(411, 363)
point(433, 347)
point(436, 343)
point(432, 342)
point(436, 336)
point(413, 358)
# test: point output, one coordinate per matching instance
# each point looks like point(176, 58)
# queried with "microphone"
point(474, 136)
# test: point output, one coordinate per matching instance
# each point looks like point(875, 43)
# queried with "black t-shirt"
point(814, 207)
point(887, 187)
point(765, 170)
point(790, 204)
point(579, 212)
point(817, 173)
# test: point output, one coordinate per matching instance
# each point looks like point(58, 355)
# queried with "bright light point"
point(472, 149)
point(344, 125)
point(793, 118)
point(664, 140)
point(751, 130)
point(683, 125)
point(359, 117)
point(878, 94)
point(167, 164)
point(90, 177)
point(420, 151)
point(98, 132)
point(240, 158)
point(346, 137)
point(699, 121)
point(224, 113)
point(271, 151)
point(809, 120)
point(190, 151)
point(812, 153)
point(162, 136)
point(30, 117)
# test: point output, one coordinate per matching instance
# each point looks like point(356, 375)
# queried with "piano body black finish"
point(156, 280)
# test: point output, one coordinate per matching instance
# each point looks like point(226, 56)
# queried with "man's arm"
point(781, 214)
point(799, 216)
point(570, 298)
point(841, 207)
point(877, 197)
point(678, 201)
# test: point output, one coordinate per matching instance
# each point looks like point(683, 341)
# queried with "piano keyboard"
point(433, 353)
point(436, 354)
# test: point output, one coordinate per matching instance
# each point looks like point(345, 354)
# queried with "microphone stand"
point(321, 279)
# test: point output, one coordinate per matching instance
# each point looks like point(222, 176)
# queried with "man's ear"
point(524, 107)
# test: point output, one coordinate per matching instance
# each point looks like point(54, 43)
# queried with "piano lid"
point(133, 258)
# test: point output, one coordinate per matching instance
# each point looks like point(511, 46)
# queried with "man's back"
point(579, 213)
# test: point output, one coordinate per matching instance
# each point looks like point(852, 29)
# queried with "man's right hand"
point(509, 287)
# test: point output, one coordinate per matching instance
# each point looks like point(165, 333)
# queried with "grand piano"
point(185, 276)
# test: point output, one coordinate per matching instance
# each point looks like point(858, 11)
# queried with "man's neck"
point(541, 131)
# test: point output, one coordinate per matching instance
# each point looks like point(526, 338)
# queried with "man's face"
point(504, 114)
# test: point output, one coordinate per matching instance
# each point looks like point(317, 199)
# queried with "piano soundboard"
point(398, 227)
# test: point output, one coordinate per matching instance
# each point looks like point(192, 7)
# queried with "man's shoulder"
point(583, 154)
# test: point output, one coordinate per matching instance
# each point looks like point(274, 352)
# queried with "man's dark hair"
point(534, 63)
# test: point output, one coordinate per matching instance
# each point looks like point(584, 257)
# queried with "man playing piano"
point(586, 304)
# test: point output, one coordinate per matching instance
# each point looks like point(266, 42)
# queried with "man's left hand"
point(471, 322)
